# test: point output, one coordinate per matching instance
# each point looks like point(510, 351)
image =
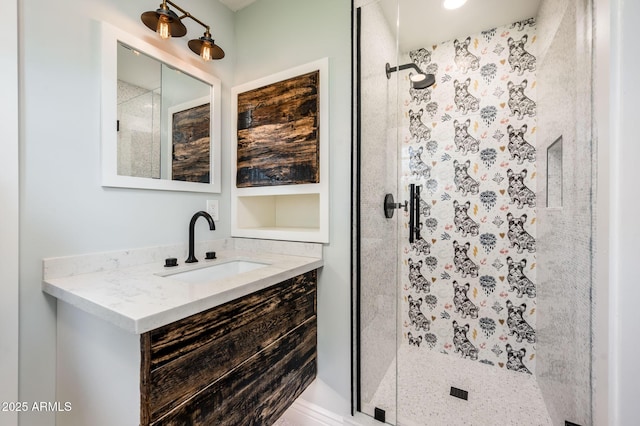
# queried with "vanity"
point(226, 341)
point(229, 339)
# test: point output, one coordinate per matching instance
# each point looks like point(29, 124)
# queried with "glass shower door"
point(377, 168)
point(484, 317)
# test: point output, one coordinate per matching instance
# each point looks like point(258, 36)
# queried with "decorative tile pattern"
point(469, 284)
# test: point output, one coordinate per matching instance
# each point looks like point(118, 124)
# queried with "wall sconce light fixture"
point(168, 24)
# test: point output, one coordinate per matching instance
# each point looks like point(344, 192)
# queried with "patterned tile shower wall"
point(469, 282)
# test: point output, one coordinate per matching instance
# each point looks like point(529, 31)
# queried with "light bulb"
point(205, 51)
point(164, 29)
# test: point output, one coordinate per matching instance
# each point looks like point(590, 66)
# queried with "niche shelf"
point(280, 216)
point(554, 174)
point(296, 209)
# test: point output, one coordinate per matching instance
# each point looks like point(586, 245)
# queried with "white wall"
point(601, 290)
point(63, 208)
point(564, 303)
point(9, 210)
point(274, 35)
point(624, 230)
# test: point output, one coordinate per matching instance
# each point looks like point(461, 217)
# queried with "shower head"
point(418, 81)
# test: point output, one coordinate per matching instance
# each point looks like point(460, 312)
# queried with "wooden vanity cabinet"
point(241, 363)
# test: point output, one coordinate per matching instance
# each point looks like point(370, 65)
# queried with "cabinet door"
point(250, 357)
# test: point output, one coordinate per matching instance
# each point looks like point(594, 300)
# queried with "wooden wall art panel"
point(279, 133)
point(191, 144)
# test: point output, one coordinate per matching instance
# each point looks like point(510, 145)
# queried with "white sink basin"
point(215, 272)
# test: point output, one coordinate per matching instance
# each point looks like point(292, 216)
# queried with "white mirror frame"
point(110, 178)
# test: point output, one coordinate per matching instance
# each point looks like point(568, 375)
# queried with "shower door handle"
point(414, 212)
point(412, 196)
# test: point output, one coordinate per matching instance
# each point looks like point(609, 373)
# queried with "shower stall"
point(473, 215)
point(139, 147)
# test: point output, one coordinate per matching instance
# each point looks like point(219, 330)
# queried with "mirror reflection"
point(163, 120)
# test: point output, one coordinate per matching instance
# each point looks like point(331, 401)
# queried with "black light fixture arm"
point(185, 14)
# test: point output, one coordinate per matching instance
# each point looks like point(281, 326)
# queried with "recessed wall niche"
point(554, 174)
point(280, 169)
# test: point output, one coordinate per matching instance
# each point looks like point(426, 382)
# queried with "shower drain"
point(379, 414)
point(459, 393)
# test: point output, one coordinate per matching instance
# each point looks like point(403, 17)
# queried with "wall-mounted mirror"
point(160, 118)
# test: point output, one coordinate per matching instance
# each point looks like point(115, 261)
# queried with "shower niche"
point(554, 174)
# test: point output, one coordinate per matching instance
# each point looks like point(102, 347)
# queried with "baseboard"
point(305, 413)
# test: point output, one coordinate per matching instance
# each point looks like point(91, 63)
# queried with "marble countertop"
point(129, 289)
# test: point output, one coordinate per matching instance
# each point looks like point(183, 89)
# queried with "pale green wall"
point(64, 210)
point(274, 35)
point(9, 199)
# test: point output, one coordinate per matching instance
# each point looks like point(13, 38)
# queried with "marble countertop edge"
point(141, 297)
point(163, 318)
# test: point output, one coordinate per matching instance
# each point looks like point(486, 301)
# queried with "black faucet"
point(192, 224)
